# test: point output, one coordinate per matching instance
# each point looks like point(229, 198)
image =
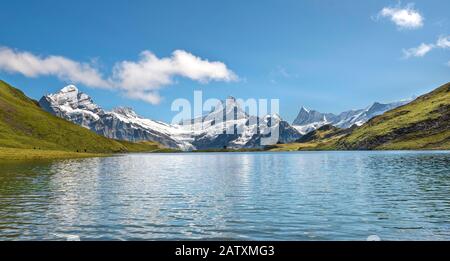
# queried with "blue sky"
point(327, 55)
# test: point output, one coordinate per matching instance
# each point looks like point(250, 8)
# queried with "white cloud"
point(404, 18)
point(31, 65)
point(419, 51)
point(147, 96)
point(443, 42)
point(136, 79)
point(150, 73)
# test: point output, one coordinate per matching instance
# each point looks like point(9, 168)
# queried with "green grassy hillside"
point(421, 124)
point(324, 138)
point(24, 125)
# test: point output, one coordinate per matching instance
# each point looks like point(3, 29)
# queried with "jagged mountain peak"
point(125, 111)
point(226, 109)
point(69, 88)
point(274, 116)
point(304, 109)
point(306, 116)
point(311, 120)
point(231, 98)
point(376, 104)
point(70, 98)
point(67, 93)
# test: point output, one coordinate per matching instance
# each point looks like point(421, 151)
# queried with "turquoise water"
point(244, 196)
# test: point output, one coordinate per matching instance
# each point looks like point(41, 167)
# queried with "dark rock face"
point(288, 133)
point(310, 116)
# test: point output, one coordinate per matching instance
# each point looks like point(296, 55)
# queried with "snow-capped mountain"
point(120, 123)
point(306, 116)
point(225, 126)
point(309, 120)
point(228, 125)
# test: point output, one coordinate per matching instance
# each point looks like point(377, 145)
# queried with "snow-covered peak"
point(230, 103)
point(126, 111)
point(69, 88)
point(231, 98)
point(70, 98)
point(229, 109)
point(304, 109)
point(306, 116)
point(376, 105)
point(66, 94)
point(309, 120)
point(274, 116)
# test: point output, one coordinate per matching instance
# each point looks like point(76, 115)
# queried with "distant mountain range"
point(124, 124)
point(309, 120)
point(423, 123)
point(120, 123)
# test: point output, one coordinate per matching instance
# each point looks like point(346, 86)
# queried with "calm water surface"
point(243, 196)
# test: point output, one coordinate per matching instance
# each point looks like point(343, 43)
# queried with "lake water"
point(229, 196)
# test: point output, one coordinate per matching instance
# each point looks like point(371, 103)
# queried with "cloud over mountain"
point(31, 65)
point(142, 78)
point(139, 79)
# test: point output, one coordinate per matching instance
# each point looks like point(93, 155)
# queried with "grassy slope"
point(24, 125)
point(420, 124)
point(320, 139)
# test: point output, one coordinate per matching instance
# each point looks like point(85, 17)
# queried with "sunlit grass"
point(433, 106)
point(24, 125)
point(36, 154)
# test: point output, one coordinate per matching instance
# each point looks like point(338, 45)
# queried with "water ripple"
point(229, 196)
